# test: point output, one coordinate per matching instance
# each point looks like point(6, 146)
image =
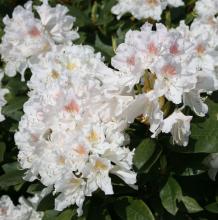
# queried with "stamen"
point(71, 66)
point(55, 74)
point(93, 136)
point(200, 49)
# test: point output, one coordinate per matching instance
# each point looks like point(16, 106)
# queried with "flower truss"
point(144, 8)
point(27, 36)
point(3, 92)
point(71, 135)
point(23, 211)
point(172, 67)
point(206, 8)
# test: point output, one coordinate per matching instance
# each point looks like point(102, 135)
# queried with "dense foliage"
point(172, 181)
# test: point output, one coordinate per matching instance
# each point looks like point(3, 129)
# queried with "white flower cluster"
point(71, 136)
point(23, 211)
point(206, 8)
point(3, 92)
point(142, 9)
point(27, 36)
point(206, 23)
point(176, 66)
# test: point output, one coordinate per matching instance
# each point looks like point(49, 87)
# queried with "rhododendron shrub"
point(108, 109)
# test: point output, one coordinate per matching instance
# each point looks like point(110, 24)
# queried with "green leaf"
point(168, 19)
point(204, 133)
point(170, 194)
point(14, 107)
point(66, 215)
point(18, 187)
point(46, 203)
point(105, 49)
point(2, 151)
point(133, 209)
point(105, 15)
point(13, 176)
point(50, 215)
point(144, 152)
point(10, 167)
point(191, 204)
point(213, 207)
point(11, 179)
point(189, 18)
point(33, 188)
point(16, 86)
point(81, 18)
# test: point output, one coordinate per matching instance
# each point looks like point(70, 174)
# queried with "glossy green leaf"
point(144, 152)
point(213, 207)
point(2, 151)
point(191, 204)
point(105, 49)
point(10, 167)
point(50, 215)
point(204, 132)
point(12, 176)
point(11, 179)
point(14, 107)
point(66, 215)
point(170, 194)
point(46, 203)
point(133, 209)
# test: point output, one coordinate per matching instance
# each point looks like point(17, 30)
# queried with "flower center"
point(169, 70)
point(71, 66)
point(61, 160)
point(200, 49)
point(131, 60)
point(81, 150)
point(55, 74)
point(72, 107)
point(3, 211)
point(174, 49)
point(34, 32)
point(75, 181)
point(99, 165)
point(152, 49)
point(152, 2)
point(93, 137)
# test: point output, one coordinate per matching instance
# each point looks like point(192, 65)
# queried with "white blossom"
point(72, 133)
point(142, 9)
point(3, 92)
point(175, 65)
point(23, 211)
point(175, 3)
point(145, 105)
point(206, 8)
point(27, 36)
point(178, 125)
